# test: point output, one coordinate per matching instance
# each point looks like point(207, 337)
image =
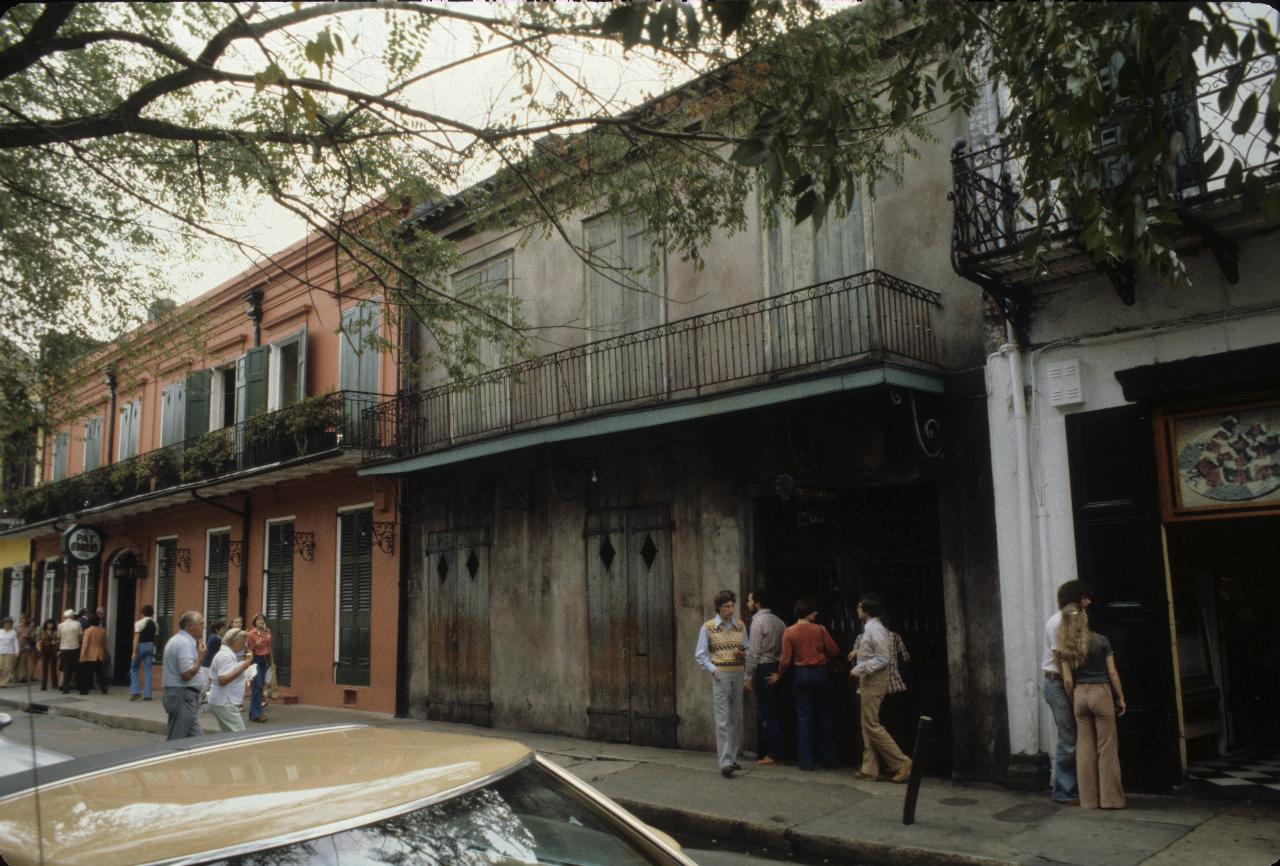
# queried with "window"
point(288, 368)
point(61, 443)
point(48, 590)
point(355, 596)
point(483, 406)
point(358, 369)
point(625, 293)
point(222, 397)
point(130, 429)
point(93, 443)
point(173, 411)
point(166, 576)
point(85, 595)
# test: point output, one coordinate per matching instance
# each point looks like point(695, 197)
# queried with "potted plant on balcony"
point(265, 439)
point(157, 470)
point(208, 456)
point(123, 480)
point(313, 423)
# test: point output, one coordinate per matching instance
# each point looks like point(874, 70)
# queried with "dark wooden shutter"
point(7, 590)
point(166, 574)
point(355, 597)
point(1118, 552)
point(279, 610)
point(256, 362)
point(219, 561)
point(651, 627)
point(609, 713)
point(197, 411)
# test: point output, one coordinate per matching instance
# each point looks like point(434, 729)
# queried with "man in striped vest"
point(722, 647)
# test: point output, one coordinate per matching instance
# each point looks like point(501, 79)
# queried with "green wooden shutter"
point(255, 380)
point(219, 563)
point(279, 610)
point(355, 597)
point(166, 556)
point(197, 412)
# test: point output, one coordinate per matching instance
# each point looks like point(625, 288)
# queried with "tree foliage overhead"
point(128, 130)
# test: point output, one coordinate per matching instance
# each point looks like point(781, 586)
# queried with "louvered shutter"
point(219, 567)
point(166, 555)
point(196, 422)
point(355, 597)
point(279, 609)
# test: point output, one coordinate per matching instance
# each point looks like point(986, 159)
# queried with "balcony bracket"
point(1225, 251)
point(235, 552)
point(182, 558)
point(926, 433)
point(1124, 279)
point(305, 544)
point(384, 535)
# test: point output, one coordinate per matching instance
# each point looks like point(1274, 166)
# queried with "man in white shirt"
point(872, 674)
point(1064, 786)
point(764, 643)
point(227, 680)
point(69, 632)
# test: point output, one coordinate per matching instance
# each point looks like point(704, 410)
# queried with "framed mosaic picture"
point(1221, 461)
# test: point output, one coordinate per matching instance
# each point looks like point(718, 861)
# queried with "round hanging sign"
point(82, 542)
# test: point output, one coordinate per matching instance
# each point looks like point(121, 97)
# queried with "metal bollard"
point(913, 783)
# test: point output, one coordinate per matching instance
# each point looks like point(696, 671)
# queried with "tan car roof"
point(243, 790)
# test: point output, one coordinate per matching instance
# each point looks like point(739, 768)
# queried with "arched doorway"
point(123, 574)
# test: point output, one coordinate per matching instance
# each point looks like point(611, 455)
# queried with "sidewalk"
point(828, 813)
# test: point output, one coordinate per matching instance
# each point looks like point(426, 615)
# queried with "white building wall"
point(1086, 321)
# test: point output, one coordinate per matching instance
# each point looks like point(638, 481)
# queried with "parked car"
point(18, 758)
point(333, 794)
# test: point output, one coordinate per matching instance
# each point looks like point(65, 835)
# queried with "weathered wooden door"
point(631, 626)
point(457, 576)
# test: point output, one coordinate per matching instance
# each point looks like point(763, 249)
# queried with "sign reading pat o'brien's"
point(82, 543)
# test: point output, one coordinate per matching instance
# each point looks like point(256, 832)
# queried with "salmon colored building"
point(208, 461)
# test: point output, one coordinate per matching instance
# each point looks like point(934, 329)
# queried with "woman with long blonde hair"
point(1093, 686)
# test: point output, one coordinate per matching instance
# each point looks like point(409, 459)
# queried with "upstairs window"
point(93, 443)
point(61, 444)
point(625, 280)
point(802, 255)
point(288, 371)
point(173, 407)
point(130, 430)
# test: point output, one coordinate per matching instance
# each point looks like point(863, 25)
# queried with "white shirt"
point(224, 662)
point(8, 642)
point(874, 648)
point(1050, 638)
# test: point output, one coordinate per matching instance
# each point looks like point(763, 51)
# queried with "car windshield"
point(528, 817)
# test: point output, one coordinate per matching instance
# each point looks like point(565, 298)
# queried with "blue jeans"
point(811, 689)
point(259, 683)
point(1064, 755)
point(142, 660)
point(767, 712)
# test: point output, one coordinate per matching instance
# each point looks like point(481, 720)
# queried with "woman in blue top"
point(1089, 675)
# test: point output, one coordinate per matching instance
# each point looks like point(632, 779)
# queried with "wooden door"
point(1118, 554)
point(631, 626)
point(458, 666)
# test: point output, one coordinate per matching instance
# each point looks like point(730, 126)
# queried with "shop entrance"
point(838, 544)
point(1225, 595)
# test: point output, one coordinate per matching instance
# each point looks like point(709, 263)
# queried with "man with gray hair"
point(181, 677)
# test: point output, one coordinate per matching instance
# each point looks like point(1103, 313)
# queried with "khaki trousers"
point(877, 745)
point(1097, 751)
point(8, 662)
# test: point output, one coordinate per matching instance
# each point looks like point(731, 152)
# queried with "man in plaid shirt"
point(875, 649)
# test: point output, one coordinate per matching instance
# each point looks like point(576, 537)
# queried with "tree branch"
point(34, 45)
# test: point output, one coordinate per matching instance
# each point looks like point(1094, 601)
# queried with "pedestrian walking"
point(105, 664)
point(47, 644)
point(69, 634)
point(228, 676)
point(27, 635)
point(144, 652)
point(213, 642)
point(809, 647)
point(764, 653)
point(1063, 786)
point(721, 651)
point(260, 645)
point(8, 650)
point(872, 675)
point(93, 650)
point(1092, 683)
point(180, 676)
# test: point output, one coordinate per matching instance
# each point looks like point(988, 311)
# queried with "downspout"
point(111, 415)
point(402, 608)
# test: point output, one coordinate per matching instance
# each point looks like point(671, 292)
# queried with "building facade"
point(805, 414)
point(213, 454)
point(1134, 446)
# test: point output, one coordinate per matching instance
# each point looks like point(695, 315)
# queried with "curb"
point(678, 822)
point(126, 723)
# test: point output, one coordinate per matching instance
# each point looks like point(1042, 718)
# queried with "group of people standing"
point(71, 654)
point(1083, 690)
point(757, 662)
point(220, 670)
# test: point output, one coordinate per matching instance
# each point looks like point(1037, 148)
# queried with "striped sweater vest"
point(723, 642)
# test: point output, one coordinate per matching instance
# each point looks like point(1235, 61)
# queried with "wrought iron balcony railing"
point(992, 220)
point(867, 315)
point(313, 426)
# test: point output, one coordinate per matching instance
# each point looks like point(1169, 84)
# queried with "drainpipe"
point(253, 309)
point(402, 605)
point(1025, 697)
point(111, 415)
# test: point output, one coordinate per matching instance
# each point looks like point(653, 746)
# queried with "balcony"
point(867, 319)
point(992, 222)
point(220, 462)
